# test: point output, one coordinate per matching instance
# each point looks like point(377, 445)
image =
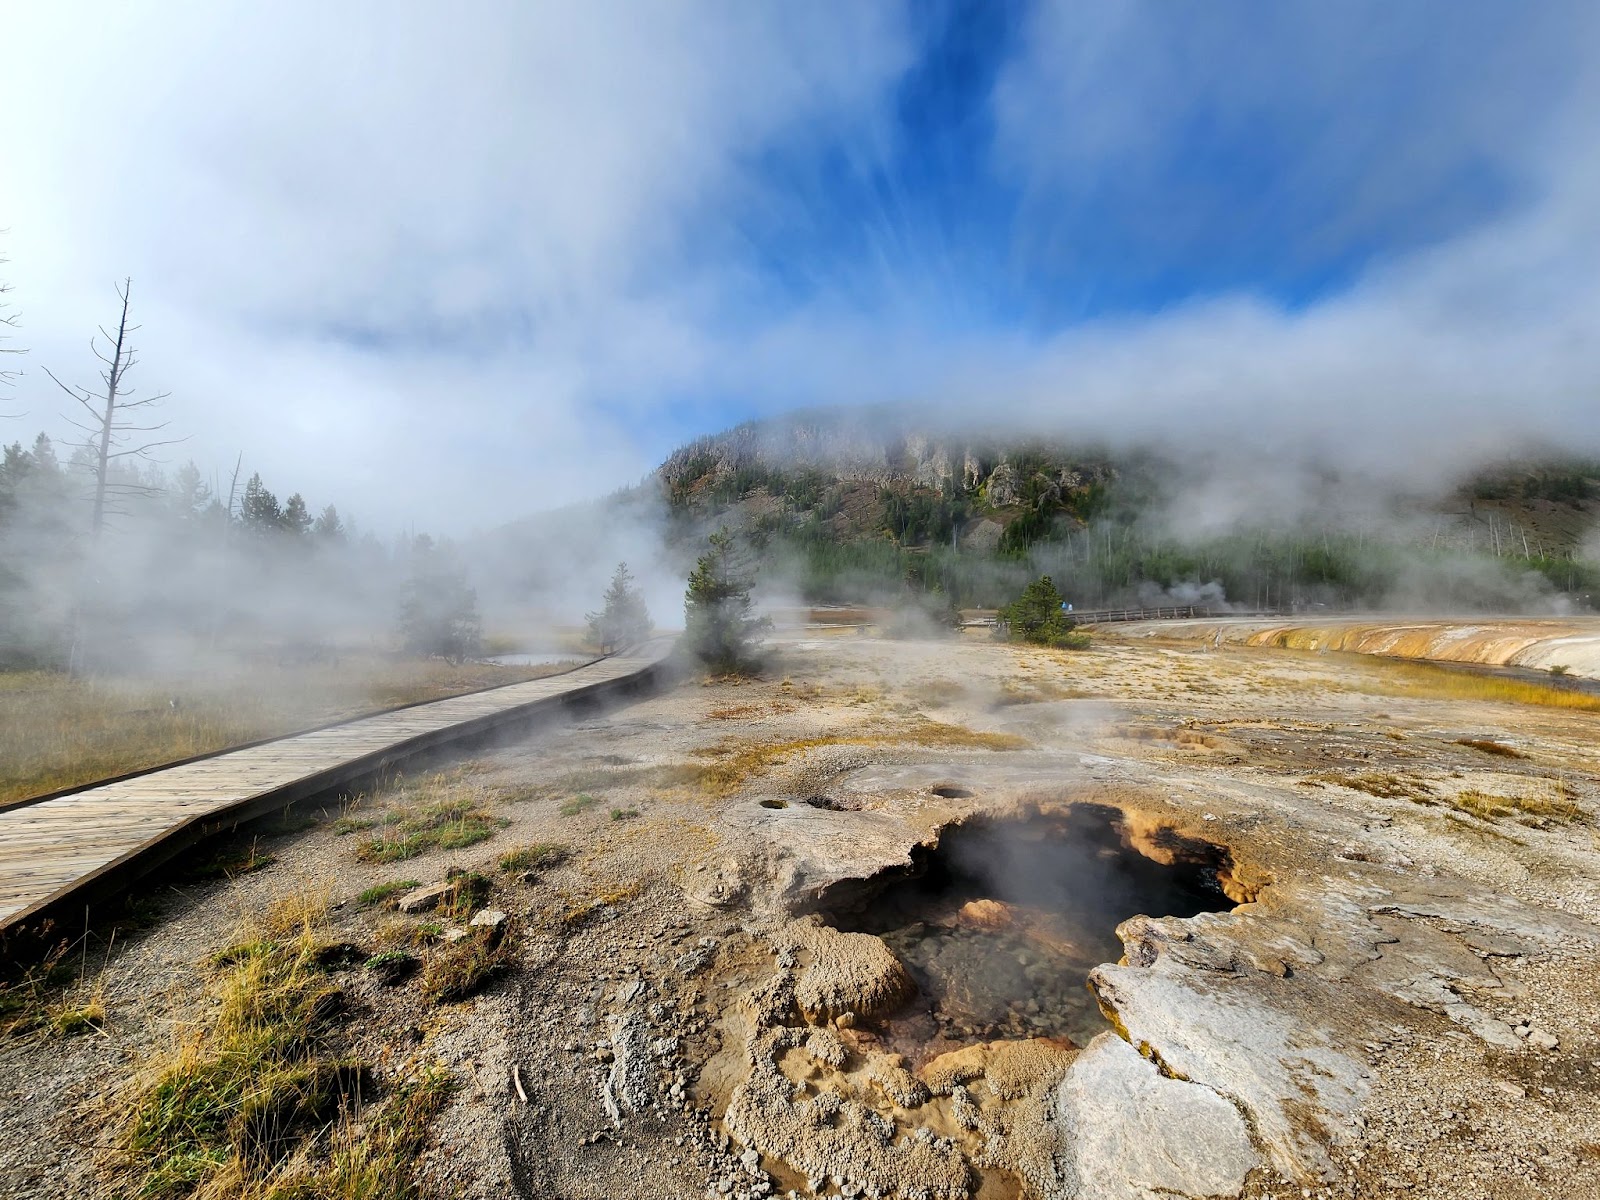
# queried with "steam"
point(470, 276)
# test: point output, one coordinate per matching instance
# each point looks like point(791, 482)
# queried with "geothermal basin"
point(1000, 922)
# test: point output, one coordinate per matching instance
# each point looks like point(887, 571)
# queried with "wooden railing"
point(1173, 612)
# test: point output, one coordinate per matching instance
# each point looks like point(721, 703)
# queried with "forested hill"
point(847, 477)
point(858, 505)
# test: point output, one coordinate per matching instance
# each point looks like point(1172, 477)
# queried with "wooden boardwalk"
point(82, 843)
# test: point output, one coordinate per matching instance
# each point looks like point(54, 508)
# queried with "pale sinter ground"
point(1377, 1022)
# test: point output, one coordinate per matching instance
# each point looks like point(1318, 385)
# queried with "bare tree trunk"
point(109, 421)
point(113, 378)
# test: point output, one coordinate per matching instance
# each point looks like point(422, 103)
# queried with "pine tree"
point(624, 621)
point(296, 517)
point(259, 511)
point(438, 609)
point(1039, 616)
point(328, 527)
point(188, 496)
point(718, 627)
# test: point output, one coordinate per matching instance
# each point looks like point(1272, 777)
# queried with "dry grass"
point(747, 712)
point(1040, 691)
point(1490, 747)
point(1429, 682)
point(57, 732)
point(1555, 801)
point(465, 967)
point(1557, 805)
point(580, 910)
point(264, 1099)
point(226, 1107)
point(537, 857)
point(48, 997)
point(736, 762)
point(1384, 784)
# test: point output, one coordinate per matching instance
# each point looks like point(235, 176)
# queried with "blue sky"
point(446, 265)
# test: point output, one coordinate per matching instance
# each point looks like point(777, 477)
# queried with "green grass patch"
point(69, 1018)
point(624, 814)
point(580, 803)
point(407, 832)
point(468, 891)
point(240, 1097)
point(393, 966)
point(265, 1100)
point(378, 893)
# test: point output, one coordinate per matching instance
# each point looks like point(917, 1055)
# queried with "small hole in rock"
point(827, 802)
point(950, 791)
point(1001, 922)
point(774, 804)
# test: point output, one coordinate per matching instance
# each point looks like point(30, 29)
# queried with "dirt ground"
point(1403, 1004)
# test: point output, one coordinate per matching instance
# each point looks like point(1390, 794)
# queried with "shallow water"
point(535, 659)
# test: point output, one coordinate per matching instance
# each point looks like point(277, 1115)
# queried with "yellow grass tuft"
point(1426, 681)
point(1485, 746)
point(1384, 784)
point(737, 762)
point(1556, 805)
point(263, 1099)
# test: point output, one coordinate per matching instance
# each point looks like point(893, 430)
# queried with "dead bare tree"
point(8, 321)
point(110, 431)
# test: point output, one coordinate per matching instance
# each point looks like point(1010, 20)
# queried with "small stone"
point(629, 992)
point(1539, 1039)
point(1515, 1091)
point(423, 898)
point(845, 1020)
point(489, 918)
point(452, 935)
point(750, 1159)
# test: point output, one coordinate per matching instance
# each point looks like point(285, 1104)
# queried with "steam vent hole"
point(1001, 923)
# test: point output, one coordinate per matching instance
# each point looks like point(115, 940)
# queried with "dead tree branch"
point(111, 431)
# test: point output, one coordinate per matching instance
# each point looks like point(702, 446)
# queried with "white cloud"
point(446, 266)
point(400, 246)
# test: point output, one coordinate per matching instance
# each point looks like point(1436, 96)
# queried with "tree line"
point(108, 560)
